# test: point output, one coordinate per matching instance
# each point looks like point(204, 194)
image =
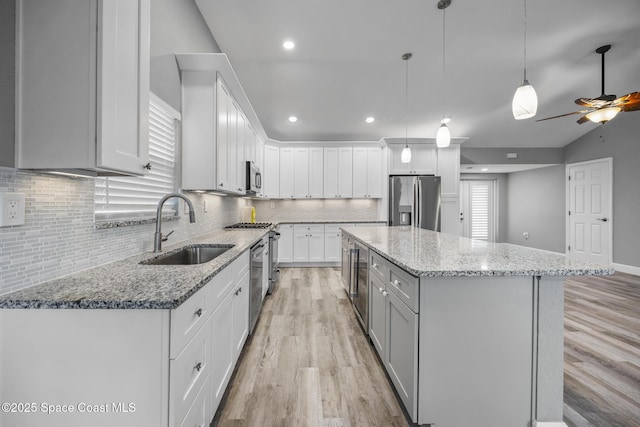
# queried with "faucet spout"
point(157, 237)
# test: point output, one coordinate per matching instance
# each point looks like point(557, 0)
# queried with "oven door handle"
point(353, 279)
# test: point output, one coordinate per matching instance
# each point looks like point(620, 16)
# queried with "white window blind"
point(137, 197)
point(480, 211)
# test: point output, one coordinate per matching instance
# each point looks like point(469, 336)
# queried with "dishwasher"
point(255, 290)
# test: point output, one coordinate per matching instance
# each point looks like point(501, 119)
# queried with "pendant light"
point(525, 100)
point(443, 136)
point(405, 156)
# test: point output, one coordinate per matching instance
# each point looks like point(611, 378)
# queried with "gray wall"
point(7, 81)
point(544, 156)
point(176, 27)
point(619, 139)
point(536, 204)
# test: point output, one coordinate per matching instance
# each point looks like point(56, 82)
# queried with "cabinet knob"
point(198, 366)
point(395, 282)
point(385, 293)
point(375, 265)
point(222, 184)
point(380, 290)
point(147, 167)
point(198, 312)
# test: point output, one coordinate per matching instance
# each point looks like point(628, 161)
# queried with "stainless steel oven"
point(274, 271)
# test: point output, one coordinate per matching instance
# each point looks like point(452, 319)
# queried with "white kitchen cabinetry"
point(449, 170)
point(285, 244)
point(367, 172)
point(308, 243)
point(287, 172)
point(308, 173)
point(338, 172)
point(394, 325)
point(82, 86)
point(229, 140)
point(424, 159)
point(271, 172)
point(181, 359)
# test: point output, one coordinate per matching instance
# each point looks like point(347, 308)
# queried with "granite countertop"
point(428, 253)
point(331, 221)
point(127, 284)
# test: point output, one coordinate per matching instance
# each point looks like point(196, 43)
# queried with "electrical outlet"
point(11, 209)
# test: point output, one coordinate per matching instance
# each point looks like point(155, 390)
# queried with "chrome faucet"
point(157, 237)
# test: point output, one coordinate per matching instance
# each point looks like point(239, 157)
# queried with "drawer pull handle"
point(198, 366)
point(199, 312)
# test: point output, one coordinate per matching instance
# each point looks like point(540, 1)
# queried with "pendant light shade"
point(603, 115)
point(443, 137)
point(525, 102)
point(405, 156)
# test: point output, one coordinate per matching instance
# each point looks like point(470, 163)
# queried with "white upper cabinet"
point(82, 102)
point(449, 170)
point(220, 130)
point(287, 173)
point(368, 172)
point(338, 172)
point(271, 172)
point(308, 172)
point(424, 159)
point(301, 173)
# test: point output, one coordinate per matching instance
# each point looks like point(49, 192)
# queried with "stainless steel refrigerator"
point(415, 200)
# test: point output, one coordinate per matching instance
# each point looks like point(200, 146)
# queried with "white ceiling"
point(347, 65)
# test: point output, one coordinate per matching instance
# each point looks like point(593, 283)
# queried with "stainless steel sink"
point(196, 254)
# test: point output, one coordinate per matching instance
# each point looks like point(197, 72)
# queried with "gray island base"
point(469, 332)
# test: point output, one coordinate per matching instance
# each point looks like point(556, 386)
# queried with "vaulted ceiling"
point(347, 65)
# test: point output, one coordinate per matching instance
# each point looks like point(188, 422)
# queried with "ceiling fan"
point(605, 107)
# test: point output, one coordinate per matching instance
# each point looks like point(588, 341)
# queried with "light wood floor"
point(309, 364)
point(602, 351)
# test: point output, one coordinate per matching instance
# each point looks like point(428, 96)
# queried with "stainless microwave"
point(254, 179)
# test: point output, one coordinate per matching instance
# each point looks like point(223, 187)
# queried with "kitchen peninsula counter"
point(127, 284)
point(470, 332)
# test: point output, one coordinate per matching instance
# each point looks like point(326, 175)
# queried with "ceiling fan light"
point(443, 137)
point(405, 156)
point(525, 102)
point(603, 115)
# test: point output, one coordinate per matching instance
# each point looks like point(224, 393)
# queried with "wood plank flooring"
point(308, 363)
point(602, 351)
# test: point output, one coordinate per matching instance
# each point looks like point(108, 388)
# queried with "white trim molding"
point(630, 269)
point(548, 424)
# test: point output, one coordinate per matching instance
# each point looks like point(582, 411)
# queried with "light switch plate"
point(11, 209)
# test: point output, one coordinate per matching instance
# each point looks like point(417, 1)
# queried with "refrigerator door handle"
point(391, 201)
point(417, 196)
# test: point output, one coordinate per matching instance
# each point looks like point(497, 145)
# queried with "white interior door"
point(478, 213)
point(589, 210)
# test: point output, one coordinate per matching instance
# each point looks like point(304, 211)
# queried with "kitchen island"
point(127, 343)
point(469, 332)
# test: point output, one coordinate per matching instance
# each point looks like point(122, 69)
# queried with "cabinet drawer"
point(308, 228)
point(188, 372)
point(187, 319)
point(200, 413)
point(405, 286)
point(240, 266)
point(378, 266)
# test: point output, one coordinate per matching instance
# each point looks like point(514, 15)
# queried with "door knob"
point(603, 219)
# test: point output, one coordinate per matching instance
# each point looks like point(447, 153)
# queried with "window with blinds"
point(478, 209)
point(137, 197)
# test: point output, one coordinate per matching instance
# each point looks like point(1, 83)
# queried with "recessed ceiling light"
point(293, 119)
point(288, 44)
point(370, 119)
point(484, 169)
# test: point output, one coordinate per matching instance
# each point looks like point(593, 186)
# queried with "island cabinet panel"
point(377, 316)
point(476, 351)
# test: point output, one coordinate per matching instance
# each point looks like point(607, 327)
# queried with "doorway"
point(589, 210)
point(478, 215)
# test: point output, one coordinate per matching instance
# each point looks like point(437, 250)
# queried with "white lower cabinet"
point(285, 243)
point(308, 242)
point(393, 327)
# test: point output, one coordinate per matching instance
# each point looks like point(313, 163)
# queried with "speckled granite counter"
point(332, 222)
point(127, 284)
point(427, 253)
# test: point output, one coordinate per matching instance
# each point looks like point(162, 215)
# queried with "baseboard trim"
point(630, 269)
point(548, 424)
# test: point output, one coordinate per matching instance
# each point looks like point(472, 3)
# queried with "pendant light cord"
point(444, 74)
point(525, 41)
point(406, 105)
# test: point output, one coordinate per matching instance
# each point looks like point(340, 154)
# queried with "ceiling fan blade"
point(599, 102)
point(582, 120)
point(563, 115)
point(629, 102)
